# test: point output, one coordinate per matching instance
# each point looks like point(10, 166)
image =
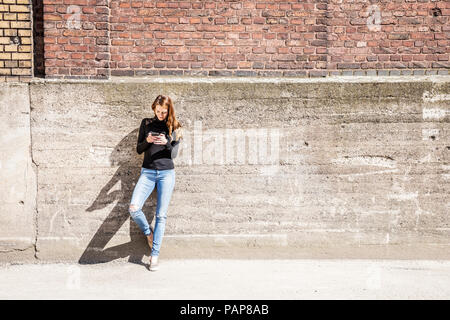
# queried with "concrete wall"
point(17, 176)
point(351, 167)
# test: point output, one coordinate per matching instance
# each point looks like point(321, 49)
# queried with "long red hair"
point(172, 123)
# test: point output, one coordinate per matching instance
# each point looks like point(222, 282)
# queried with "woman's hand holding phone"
point(161, 139)
point(150, 138)
point(156, 139)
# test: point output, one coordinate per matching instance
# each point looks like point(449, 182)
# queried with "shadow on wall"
point(124, 155)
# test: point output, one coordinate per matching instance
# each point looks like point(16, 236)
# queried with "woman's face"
point(161, 112)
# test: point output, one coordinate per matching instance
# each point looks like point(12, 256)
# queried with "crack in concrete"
point(35, 167)
point(17, 249)
point(370, 156)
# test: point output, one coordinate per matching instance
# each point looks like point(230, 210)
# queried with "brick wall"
point(76, 38)
point(15, 40)
point(409, 34)
point(216, 37)
point(103, 38)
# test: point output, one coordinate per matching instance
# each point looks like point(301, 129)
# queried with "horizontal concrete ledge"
point(197, 250)
point(13, 84)
point(199, 79)
point(310, 245)
point(388, 252)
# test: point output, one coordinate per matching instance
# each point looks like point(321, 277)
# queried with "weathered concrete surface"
point(230, 279)
point(17, 177)
point(329, 168)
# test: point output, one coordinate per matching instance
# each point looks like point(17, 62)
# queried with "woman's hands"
point(150, 138)
point(161, 139)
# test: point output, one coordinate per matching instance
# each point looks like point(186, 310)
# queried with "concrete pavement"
point(230, 279)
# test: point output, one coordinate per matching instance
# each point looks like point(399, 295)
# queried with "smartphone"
point(155, 134)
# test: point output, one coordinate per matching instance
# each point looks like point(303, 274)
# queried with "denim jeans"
point(165, 182)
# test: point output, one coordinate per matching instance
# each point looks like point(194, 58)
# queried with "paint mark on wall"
point(434, 113)
point(368, 160)
point(405, 196)
point(445, 168)
point(433, 97)
point(430, 134)
point(269, 170)
point(100, 154)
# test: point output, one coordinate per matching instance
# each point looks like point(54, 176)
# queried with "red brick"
point(248, 35)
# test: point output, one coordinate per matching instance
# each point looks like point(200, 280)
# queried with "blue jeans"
point(165, 182)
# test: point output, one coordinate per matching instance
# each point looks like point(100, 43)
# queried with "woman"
point(159, 137)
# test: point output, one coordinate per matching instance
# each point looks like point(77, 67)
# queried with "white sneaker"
point(154, 265)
